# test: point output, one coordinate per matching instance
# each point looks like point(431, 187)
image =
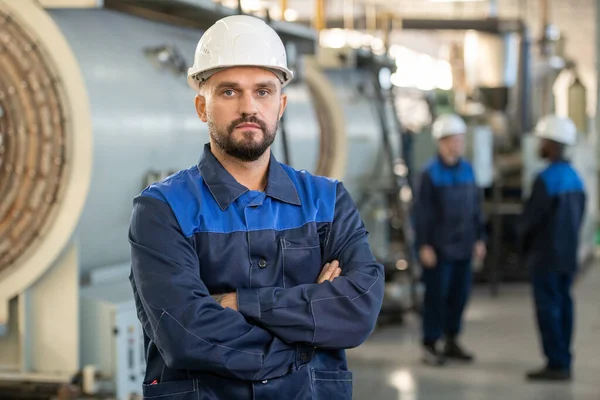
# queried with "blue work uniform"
point(448, 218)
point(549, 240)
point(199, 233)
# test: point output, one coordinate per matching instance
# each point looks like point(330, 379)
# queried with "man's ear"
point(201, 107)
point(282, 104)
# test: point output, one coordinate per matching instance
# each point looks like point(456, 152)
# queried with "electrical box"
point(112, 339)
point(480, 150)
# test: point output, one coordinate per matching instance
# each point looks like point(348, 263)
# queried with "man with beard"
point(250, 278)
point(549, 234)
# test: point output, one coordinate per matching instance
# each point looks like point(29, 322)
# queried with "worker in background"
point(250, 278)
point(449, 232)
point(549, 234)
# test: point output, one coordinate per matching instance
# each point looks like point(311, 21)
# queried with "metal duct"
point(45, 148)
point(33, 141)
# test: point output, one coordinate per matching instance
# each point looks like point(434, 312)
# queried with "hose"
point(333, 142)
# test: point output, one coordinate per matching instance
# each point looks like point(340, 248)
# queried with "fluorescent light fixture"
point(290, 15)
point(254, 5)
point(455, 1)
point(333, 38)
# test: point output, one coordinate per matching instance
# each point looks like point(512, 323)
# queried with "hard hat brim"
point(284, 75)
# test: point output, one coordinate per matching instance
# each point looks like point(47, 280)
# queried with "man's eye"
point(263, 92)
point(228, 92)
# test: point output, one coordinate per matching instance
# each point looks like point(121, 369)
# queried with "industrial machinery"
point(503, 85)
point(379, 181)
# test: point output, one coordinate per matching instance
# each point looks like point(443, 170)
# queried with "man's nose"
point(248, 104)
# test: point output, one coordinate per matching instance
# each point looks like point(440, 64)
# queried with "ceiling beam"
point(490, 25)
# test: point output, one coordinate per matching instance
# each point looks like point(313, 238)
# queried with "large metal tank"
point(87, 115)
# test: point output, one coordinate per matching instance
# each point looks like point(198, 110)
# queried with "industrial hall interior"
point(299, 200)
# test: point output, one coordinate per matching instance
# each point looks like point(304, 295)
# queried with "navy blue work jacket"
point(448, 214)
point(200, 233)
point(551, 220)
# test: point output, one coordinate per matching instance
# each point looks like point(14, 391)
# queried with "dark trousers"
point(447, 289)
point(554, 311)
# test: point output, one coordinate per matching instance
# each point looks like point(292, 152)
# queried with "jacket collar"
point(225, 189)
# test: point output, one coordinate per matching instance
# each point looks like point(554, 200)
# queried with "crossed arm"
point(329, 272)
point(192, 331)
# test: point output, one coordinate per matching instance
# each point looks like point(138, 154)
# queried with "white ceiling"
point(432, 8)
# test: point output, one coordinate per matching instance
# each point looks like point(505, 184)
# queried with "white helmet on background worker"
point(448, 125)
point(558, 129)
point(238, 40)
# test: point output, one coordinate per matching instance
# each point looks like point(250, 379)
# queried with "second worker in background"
point(549, 239)
point(450, 231)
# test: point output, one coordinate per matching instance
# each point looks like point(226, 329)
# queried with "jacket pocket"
point(331, 385)
point(301, 260)
point(174, 390)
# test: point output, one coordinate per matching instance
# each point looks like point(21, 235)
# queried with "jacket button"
point(262, 263)
point(264, 382)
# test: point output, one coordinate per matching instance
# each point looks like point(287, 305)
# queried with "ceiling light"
point(290, 15)
point(455, 1)
point(253, 5)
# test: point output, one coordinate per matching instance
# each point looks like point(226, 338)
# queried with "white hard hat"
point(448, 125)
point(558, 129)
point(238, 40)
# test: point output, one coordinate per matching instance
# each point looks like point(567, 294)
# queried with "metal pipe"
point(388, 23)
point(319, 22)
point(284, 7)
point(371, 18)
point(483, 25)
point(544, 14)
point(349, 14)
point(525, 123)
point(594, 132)
point(490, 25)
point(493, 10)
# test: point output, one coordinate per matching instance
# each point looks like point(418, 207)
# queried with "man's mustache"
point(251, 120)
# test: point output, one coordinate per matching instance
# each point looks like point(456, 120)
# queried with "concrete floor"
point(502, 333)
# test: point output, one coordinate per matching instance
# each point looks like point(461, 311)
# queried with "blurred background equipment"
point(94, 106)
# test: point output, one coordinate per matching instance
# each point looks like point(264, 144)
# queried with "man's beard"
point(246, 149)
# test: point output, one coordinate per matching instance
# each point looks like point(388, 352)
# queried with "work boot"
point(431, 356)
point(454, 351)
point(549, 374)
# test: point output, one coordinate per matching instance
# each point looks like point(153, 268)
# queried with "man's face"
point(544, 148)
point(242, 107)
point(452, 147)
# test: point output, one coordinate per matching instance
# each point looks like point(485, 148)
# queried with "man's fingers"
point(336, 272)
point(330, 271)
point(324, 273)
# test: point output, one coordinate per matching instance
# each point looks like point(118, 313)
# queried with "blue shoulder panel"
point(442, 175)
point(318, 196)
point(183, 191)
point(197, 210)
point(561, 178)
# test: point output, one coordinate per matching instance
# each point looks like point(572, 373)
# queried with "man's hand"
point(427, 256)
point(228, 300)
point(479, 251)
point(330, 271)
